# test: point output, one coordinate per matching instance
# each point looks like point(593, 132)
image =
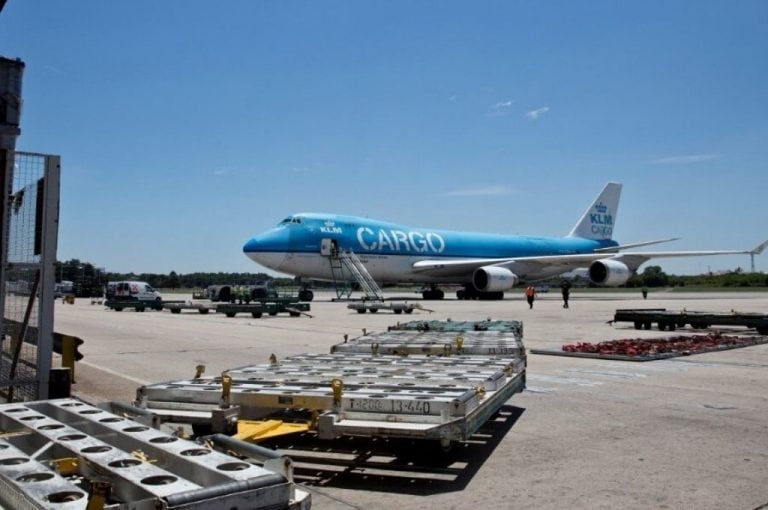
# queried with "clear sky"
point(186, 127)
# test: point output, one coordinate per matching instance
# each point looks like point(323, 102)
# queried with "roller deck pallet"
point(671, 320)
point(446, 397)
point(515, 327)
point(68, 455)
point(436, 343)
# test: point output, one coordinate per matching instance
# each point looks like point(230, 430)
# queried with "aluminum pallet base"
point(426, 397)
point(437, 343)
point(66, 454)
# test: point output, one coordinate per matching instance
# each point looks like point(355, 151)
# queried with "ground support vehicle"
point(66, 454)
point(644, 318)
point(138, 305)
point(444, 397)
point(375, 306)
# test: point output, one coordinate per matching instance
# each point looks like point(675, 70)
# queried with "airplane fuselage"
point(389, 251)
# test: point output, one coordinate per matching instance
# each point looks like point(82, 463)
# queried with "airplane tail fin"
point(598, 220)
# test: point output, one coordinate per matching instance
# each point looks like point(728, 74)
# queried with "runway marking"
point(115, 373)
point(608, 373)
point(539, 389)
point(557, 379)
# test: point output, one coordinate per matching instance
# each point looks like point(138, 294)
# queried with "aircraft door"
point(325, 247)
point(328, 247)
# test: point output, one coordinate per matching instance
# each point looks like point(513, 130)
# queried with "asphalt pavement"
point(689, 432)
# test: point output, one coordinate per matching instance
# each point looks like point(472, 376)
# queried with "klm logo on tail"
point(598, 220)
point(602, 221)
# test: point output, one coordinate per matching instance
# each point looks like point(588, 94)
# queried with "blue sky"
point(186, 127)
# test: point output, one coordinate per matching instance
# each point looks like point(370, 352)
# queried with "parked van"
point(141, 291)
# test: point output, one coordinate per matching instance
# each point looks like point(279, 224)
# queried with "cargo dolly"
point(119, 305)
point(256, 310)
point(445, 395)
point(70, 455)
point(644, 318)
point(376, 306)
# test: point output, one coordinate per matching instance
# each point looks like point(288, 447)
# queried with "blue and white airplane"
point(486, 265)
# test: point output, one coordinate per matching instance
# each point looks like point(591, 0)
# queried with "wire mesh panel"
point(30, 214)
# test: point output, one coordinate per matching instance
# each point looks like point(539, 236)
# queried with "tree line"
point(89, 280)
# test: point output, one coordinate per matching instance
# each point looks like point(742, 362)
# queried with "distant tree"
point(173, 281)
point(653, 276)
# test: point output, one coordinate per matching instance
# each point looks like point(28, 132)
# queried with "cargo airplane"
point(306, 245)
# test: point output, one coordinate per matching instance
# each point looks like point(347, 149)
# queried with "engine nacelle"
point(610, 273)
point(493, 279)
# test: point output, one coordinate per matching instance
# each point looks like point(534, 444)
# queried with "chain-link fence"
point(30, 222)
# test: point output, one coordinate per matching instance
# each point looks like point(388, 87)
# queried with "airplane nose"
point(268, 249)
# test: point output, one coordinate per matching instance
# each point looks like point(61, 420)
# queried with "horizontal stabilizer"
point(612, 249)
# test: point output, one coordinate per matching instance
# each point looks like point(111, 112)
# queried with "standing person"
point(565, 288)
point(530, 295)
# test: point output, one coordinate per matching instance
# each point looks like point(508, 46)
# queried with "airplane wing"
point(524, 265)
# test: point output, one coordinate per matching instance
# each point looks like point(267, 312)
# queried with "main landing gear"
point(433, 294)
point(469, 292)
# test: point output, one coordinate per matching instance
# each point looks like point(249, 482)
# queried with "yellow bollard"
point(68, 349)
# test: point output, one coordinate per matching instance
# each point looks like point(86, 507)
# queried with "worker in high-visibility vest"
point(530, 295)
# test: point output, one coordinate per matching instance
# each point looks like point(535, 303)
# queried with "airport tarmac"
point(690, 432)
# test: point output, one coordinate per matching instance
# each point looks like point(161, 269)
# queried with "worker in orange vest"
point(530, 295)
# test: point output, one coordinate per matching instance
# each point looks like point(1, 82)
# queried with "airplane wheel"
point(361, 310)
point(306, 295)
point(461, 294)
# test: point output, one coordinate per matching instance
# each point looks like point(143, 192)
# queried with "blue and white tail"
point(598, 220)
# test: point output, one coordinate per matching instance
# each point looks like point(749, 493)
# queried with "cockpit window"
point(289, 220)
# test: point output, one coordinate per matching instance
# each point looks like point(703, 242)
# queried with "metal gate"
point(27, 273)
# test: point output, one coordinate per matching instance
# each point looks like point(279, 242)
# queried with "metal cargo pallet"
point(460, 326)
point(436, 343)
point(70, 455)
point(425, 397)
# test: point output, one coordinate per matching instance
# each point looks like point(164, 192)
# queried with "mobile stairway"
point(346, 266)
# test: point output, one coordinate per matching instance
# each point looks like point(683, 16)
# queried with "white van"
point(141, 291)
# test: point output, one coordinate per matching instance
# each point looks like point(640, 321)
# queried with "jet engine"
point(493, 279)
point(610, 273)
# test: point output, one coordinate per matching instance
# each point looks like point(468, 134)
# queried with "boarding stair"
point(349, 261)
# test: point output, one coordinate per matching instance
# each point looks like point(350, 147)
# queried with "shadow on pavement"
point(394, 465)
